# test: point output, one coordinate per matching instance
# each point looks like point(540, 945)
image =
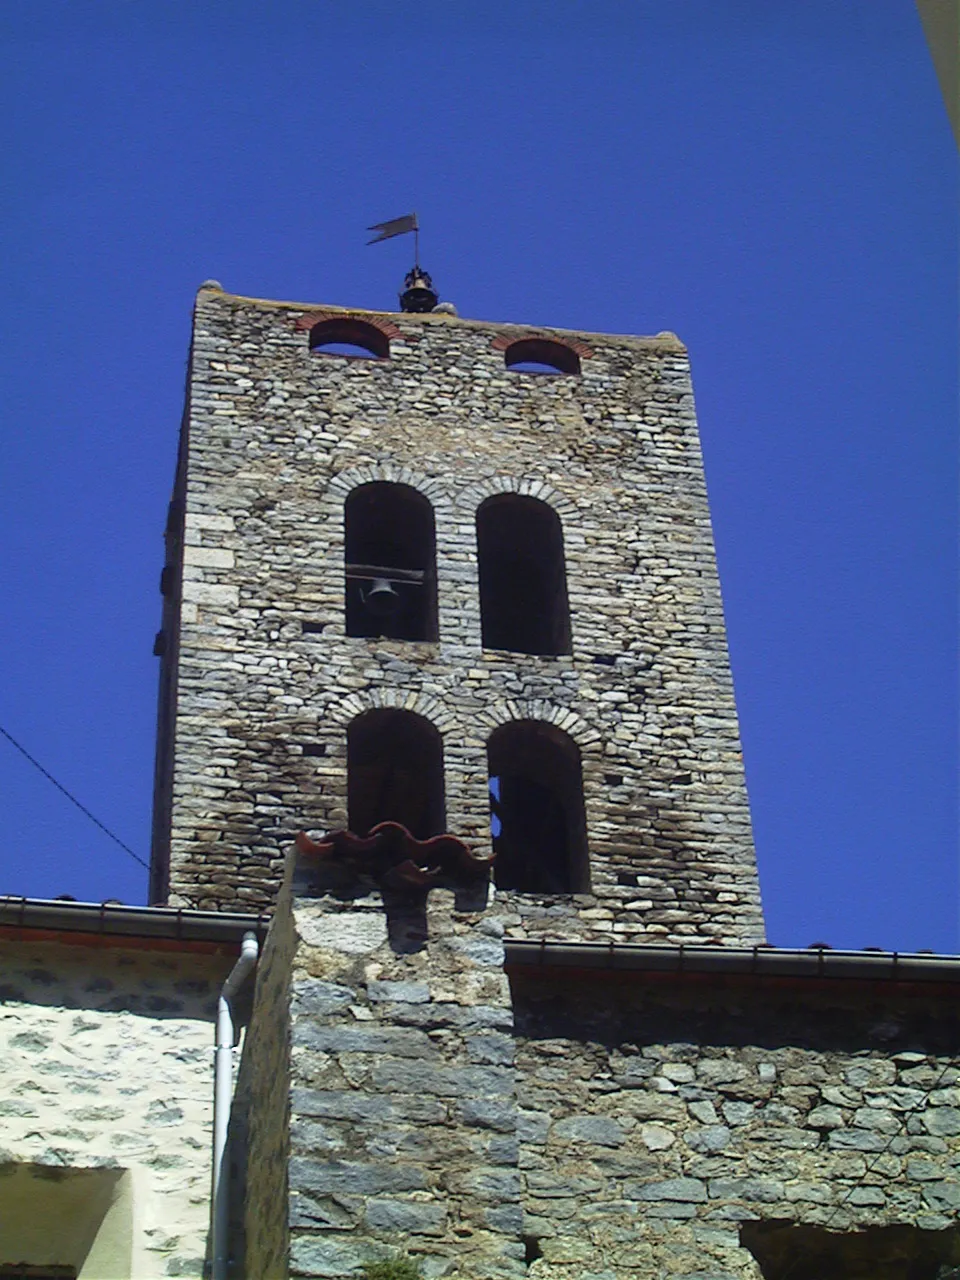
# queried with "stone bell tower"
point(459, 576)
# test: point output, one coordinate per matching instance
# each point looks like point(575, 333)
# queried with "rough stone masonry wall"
point(260, 1119)
point(401, 1087)
point(106, 1060)
point(278, 437)
point(656, 1118)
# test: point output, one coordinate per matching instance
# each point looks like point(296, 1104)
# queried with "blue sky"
point(775, 182)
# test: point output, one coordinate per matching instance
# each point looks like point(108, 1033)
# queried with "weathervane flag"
point(395, 227)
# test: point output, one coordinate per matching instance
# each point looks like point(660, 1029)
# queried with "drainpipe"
point(222, 1088)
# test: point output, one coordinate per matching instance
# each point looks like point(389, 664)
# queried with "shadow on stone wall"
point(650, 1009)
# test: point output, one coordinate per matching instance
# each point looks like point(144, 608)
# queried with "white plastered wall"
point(106, 1058)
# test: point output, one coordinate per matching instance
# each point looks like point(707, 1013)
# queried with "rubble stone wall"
point(402, 1089)
point(260, 1121)
point(655, 1118)
point(276, 439)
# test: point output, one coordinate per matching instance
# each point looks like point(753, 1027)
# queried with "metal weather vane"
point(399, 227)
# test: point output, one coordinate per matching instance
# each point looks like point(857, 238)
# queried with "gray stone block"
point(763, 1190)
point(351, 1177)
point(592, 1129)
point(532, 1127)
point(942, 1122)
point(348, 1104)
point(311, 996)
point(491, 1049)
point(714, 1137)
point(400, 1042)
point(685, 1190)
point(399, 992)
point(493, 1185)
point(507, 1218)
point(406, 1217)
point(325, 1258)
point(488, 1113)
point(449, 1082)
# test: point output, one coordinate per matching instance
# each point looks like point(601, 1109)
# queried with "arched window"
point(523, 579)
point(395, 773)
point(537, 816)
point(390, 563)
point(539, 355)
point(348, 337)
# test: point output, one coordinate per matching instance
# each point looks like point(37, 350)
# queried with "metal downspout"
point(222, 1089)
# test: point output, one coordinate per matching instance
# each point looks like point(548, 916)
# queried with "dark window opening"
point(523, 578)
point(391, 587)
point(785, 1249)
point(531, 1249)
point(348, 337)
point(395, 773)
point(538, 355)
point(537, 818)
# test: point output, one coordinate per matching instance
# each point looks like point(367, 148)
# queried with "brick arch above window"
point(562, 354)
point(498, 714)
point(312, 318)
point(344, 336)
point(340, 486)
point(525, 486)
point(428, 708)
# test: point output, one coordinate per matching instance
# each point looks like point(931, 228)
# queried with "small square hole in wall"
point(314, 748)
point(313, 628)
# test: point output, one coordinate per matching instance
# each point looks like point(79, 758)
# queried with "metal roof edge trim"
point(115, 920)
point(871, 966)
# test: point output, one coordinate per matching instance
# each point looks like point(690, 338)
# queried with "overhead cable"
point(72, 798)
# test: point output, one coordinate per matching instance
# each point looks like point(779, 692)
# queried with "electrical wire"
point(72, 798)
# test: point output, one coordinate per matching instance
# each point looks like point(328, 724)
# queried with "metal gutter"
point(114, 920)
point(769, 962)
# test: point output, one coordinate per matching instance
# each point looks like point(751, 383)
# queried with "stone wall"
point(106, 1056)
point(657, 1116)
point(260, 1121)
point(402, 1114)
point(277, 437)
point(584, 1124)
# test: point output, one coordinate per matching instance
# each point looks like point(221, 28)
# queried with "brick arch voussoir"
point(340, 486)
point(525, 486)
point(386, 327)
point(503, 341)
point(501, 713)
point(421, 704)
